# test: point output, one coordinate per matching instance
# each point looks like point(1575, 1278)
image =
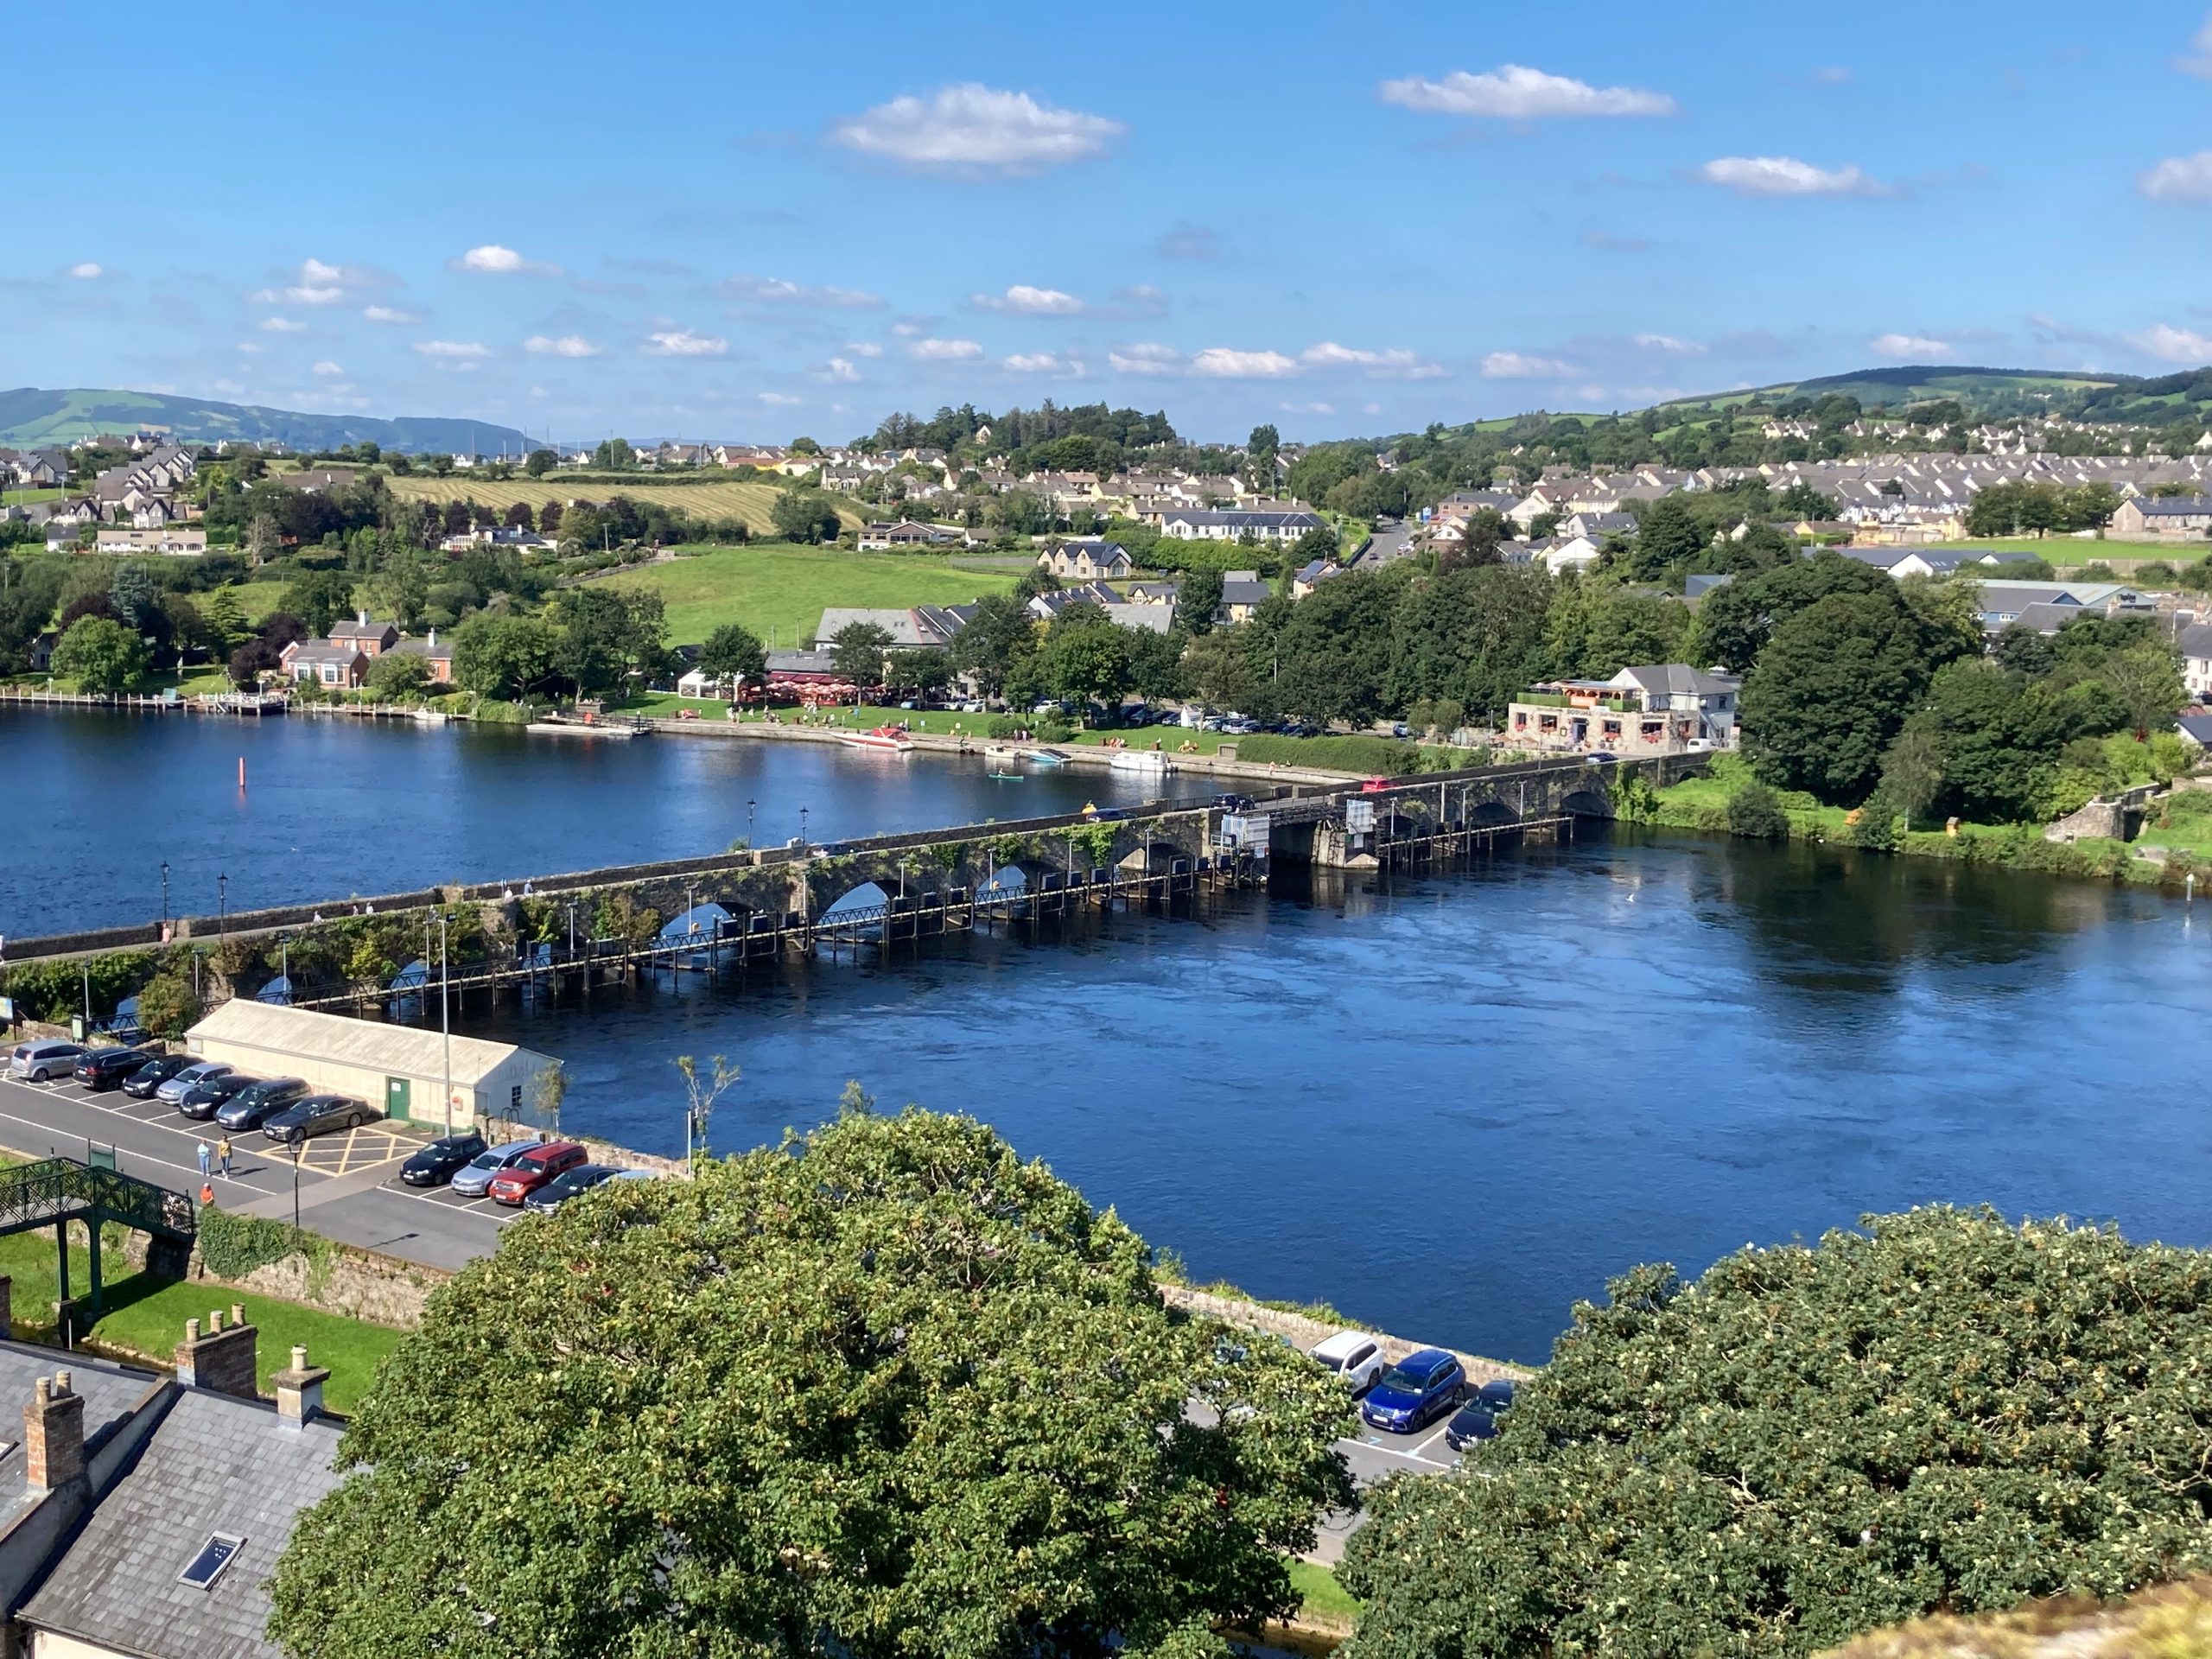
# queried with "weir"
point(734, 907)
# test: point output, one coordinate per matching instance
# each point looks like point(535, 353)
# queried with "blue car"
point(1413, 1394)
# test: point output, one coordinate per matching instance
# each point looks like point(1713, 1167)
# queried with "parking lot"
point(347, 1183)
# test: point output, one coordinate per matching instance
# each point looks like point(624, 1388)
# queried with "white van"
point(40, 1060)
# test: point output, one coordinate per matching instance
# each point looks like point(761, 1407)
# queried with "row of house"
point(340, 662)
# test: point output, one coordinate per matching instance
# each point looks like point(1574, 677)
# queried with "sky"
point(691, 222)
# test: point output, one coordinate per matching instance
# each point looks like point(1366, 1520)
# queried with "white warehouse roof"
point(397, 1051)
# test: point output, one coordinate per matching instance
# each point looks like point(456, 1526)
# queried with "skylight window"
point(207, 1566)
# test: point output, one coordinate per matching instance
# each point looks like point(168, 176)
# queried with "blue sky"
point(686, 221)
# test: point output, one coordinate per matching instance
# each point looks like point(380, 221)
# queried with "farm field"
point(779, 591)
point(709, 498)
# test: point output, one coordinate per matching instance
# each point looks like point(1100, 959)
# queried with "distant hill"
point(29, 417)
point(1921, 383)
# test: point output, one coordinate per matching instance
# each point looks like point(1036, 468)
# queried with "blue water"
point(1453, 1105)
point(336, 808)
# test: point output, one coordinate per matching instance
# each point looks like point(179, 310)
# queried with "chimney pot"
point(192, 1330)
point(54, 1435)
point(219, 1356)
point(214, 1320)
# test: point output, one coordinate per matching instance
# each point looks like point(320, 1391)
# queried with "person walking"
point(223, 1156)
point(206, 1160)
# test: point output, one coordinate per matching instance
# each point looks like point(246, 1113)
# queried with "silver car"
point(40, 1060)
point(474, 1177)
point(190, 1079)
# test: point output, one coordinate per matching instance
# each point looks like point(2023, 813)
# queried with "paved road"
point(348, 1184)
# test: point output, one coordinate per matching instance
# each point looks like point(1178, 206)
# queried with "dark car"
point(203, 1100)
point(1601, 759)
point(106, 1068)
point(1472, 1422)
point(141, 1083)
point(1497, 1394)
point(1233, 803)
point(1416, 1392)
point(317, 1115)
point(440, 1161)
point(559, 1191)
point(251, 1107)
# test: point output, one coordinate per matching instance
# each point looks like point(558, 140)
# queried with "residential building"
point(2001, 603)
point(120, 538)
point(2173, 517)
point(1188, 524)
point(363, 631)
point(904, 532)
point(337, 668)
point(1243, 593)
point(1154, 614)
point(437, 655)
point(1659, 709)
point(2194, 642)
point(1087, 558)
point(1311, 575)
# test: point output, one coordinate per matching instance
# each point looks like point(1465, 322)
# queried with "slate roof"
point(2197, 728)
point(214, 1464)
point(110, 1392)
point(2196, 639)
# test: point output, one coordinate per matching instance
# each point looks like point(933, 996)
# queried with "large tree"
point(804, 515)
point(859, 651)
point(1000, 633)
point(1829, 693)
point(733, 653)
point(884, 1390)
point(100, 655)
point(1807, 1442)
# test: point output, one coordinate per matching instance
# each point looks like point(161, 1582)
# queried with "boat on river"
point(888, 738)
point(587, 728)
point(1151, 762)
point(1044, 757)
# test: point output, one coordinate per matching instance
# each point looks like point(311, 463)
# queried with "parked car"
point(106, 1068)
point(1416, 1392)
point(203, 1100)
point(141, 1083)
point(537, 1167)
point(636, 1175)
point(441, 1160)
point(1472, 1422)
point(253, 1106)
point(1232, 802)
point(190, 1078)
point(472, 1179)
point(1497, 1394)
point(42, 1059)
point(1375, 785)
point(1352, 1355)
point(559, 1191)
point(1601, 759)
point(314, 1114)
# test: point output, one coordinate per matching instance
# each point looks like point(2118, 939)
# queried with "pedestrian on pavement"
point(207, 1159)
point(223, 1156)
point(206, 1191)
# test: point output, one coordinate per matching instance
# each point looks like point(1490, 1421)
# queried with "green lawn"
point(1325, 1598)
point(779, 591)
point(146, 1315)
point(24, 498)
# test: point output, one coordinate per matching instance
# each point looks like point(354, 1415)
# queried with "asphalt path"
point(347, 1184)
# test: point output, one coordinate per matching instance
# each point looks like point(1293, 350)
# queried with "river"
point(1450, 1105)
point(337, 807)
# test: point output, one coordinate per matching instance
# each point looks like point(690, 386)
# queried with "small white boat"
point(579, 728)
point(1001, 756)
point(1151, 761)
point(888, 738)
point(430, 716)
point(1044, 757)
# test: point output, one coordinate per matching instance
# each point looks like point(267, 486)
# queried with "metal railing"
point(60, 1189)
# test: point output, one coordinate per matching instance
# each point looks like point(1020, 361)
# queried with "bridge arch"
point(865, 899)
point(1587, 803)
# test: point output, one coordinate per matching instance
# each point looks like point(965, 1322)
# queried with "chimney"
point(218, 1358)
point(54, 1435)
point(299, 1390)
point(362, 617)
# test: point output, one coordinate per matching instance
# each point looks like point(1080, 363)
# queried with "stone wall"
point(1302, 1332)
point(357, 1284)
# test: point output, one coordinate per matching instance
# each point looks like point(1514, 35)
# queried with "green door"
point(396, 1094)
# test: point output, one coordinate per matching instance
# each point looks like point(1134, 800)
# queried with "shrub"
point(1755, 813)
point(1377, 757)
point(232, 1246)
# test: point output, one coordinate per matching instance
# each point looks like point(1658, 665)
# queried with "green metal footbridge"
point(54, 1192)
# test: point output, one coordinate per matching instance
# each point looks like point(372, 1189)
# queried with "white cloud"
point(1785, 175)
point(1904, 346)
point(1031, 301)
point(779, 400)
point(971, 129)
point(319, 282)
point(1224, 363)
point(774, 290)
point(1146, 359)
point(86, 271)
point(388, 314)
point(1309, 409)
point(863, 348)
point(842, 369)
point(906, 328)
point(2171, 345)
point(682, 342)
point(1513, 92)
point(945, 351)
point(249, 348)
point(1396, 365)
point(1041, 363)
point(281, 326)
point(2199, 61)
point(1517, 366)
point(328, 370)
point(312, 269)
point(2179, 178)
point(1669, 344)
point(493, 260)
point(561, 346)
point(452, 349)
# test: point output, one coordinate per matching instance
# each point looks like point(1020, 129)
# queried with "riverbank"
point(1703, 805)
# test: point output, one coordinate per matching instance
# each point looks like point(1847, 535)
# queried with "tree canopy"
point(882, 1391)
point(1809, 1441)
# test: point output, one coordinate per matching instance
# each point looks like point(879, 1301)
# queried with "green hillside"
point(1920, 383)
point(29, 417)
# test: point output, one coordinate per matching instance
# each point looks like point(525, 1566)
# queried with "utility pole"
point(445, 1020)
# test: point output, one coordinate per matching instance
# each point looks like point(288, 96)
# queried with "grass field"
point(24, 498)
point(1325, 1598)
point(780, 591)
point(709, 498)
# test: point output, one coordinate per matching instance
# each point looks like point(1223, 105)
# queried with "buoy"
point(241, 772)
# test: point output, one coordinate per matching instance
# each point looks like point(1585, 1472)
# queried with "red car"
point(1375, 786)
point(533, 1170)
